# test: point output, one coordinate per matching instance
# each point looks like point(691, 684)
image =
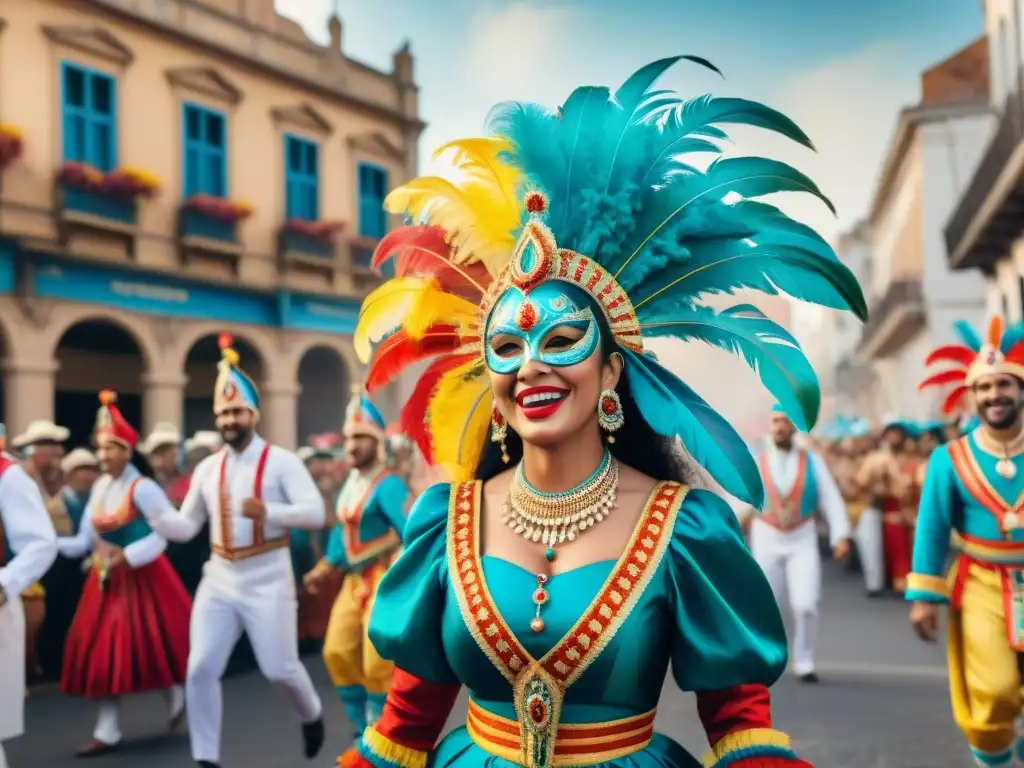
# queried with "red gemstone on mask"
point(526, 317)
point(608, 406)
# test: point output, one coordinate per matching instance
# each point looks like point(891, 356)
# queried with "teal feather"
point(766, 347)
point(967, 335)
point(1012, 336)
point(674, 410)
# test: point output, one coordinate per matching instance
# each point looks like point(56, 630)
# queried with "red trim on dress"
point(734, 709)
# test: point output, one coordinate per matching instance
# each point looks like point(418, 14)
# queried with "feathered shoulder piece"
point(1002, 351)
point(604, 193)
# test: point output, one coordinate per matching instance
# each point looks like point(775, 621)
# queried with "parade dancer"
point(883, 529)
point(370, 521)
point(561, 242)
point(130, 631)
point(784, 537)
point(973, 487)
point(28, 547)
point(251, 493)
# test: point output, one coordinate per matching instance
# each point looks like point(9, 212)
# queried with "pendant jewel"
point(1006, 469)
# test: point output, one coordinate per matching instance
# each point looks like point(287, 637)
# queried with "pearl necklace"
point(554, 518)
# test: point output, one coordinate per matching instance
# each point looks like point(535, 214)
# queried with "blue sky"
point(841, 69)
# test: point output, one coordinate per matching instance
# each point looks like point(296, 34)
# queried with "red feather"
point(414, 413)
point(995, 331)
point(398, 351)
point(954, 353)
point(1016, 354)
point(955, 400)
point(424, 252)
point(943, 377)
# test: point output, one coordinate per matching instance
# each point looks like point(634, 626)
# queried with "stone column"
point(28, 392)
point(163, 399)
point(279, 422)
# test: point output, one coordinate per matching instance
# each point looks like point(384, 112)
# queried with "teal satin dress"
point(701, 604)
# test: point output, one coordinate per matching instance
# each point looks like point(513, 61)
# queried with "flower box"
point(310, 238)
point(12, 144)
point(128, 183)
point(213, 218)
point(118, 208)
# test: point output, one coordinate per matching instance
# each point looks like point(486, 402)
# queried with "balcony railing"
point(996, 234)
point(901, 295)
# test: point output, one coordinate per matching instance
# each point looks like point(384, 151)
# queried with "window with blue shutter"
point(373, 188)
point(301, 178)
point(206, 152)
point(89, 117)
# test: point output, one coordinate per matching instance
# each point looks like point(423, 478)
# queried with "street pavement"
point(882, 703)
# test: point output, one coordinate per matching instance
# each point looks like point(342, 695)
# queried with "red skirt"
point(129, 637)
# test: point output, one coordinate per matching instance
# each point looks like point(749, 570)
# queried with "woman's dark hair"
point(636, 444)
point(142, 464)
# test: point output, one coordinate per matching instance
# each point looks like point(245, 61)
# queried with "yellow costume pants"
point(984, 679)
point(350, 657)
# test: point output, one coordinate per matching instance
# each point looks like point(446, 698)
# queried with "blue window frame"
point(89, 116)
point(301, 178)
point(373, 188)
point(206, 152)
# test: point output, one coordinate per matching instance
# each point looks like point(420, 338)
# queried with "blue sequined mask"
point(528, 322)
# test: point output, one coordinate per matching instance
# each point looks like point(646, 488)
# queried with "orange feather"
point(995, 331)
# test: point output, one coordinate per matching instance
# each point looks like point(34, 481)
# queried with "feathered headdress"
point(233, 388)
point(1001, 352)
point(600, 193)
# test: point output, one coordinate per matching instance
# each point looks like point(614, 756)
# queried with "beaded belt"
point(241, 553)
point(576, 745)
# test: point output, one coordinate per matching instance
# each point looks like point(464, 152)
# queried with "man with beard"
point(251, 493)
point(783, 536)
point(883, 527)
point(973, 487)
point(371, 513)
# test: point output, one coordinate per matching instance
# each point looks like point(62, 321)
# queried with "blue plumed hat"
point(234, 388)
point(363, 418)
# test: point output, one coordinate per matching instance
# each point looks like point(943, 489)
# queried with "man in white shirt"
point(28, 547)
point(784, 538)
point(251, 493)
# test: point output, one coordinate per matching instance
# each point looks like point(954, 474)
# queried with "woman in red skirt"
point(130, 632)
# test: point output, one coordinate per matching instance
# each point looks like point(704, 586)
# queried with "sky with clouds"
point(842, 70)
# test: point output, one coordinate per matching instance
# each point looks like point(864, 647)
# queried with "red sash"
point(783, 513)
point(260, 543)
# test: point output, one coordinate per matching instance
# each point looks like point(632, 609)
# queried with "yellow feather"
point(478, 209)
point(460, 418)
point(432, 305)
point(384, 311)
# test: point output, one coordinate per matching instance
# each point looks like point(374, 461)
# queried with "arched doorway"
point(325, 389)
point(201, 372)
point(93, 355)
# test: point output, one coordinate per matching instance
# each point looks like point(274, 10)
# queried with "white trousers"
point(869, 545)
point(265, 607)
point(12, 669)
point(792, 562)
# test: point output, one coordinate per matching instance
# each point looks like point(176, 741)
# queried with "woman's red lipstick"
point(543, 401)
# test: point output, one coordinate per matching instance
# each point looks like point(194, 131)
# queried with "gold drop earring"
point(499, 430)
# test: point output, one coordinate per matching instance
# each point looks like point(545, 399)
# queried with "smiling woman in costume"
point(533, 279)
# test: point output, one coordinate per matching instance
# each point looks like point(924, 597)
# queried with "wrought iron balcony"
point(990, 214)
point(893, 319)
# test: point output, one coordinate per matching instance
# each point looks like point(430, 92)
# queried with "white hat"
point(41, 431)
point(204, 438)
point(163, 434)
point(79, 459)
point(305, 453)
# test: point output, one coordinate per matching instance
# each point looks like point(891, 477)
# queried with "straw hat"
point(41, 431)
point(80, 458)
point(163, 434)
point(204, 438)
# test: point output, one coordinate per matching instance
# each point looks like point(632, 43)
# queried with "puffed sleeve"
point(405, 627)
point(730, 642)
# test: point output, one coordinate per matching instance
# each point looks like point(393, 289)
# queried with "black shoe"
point(206, 764)
point(313, 738)
point(810, 677)
point(872, 593)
